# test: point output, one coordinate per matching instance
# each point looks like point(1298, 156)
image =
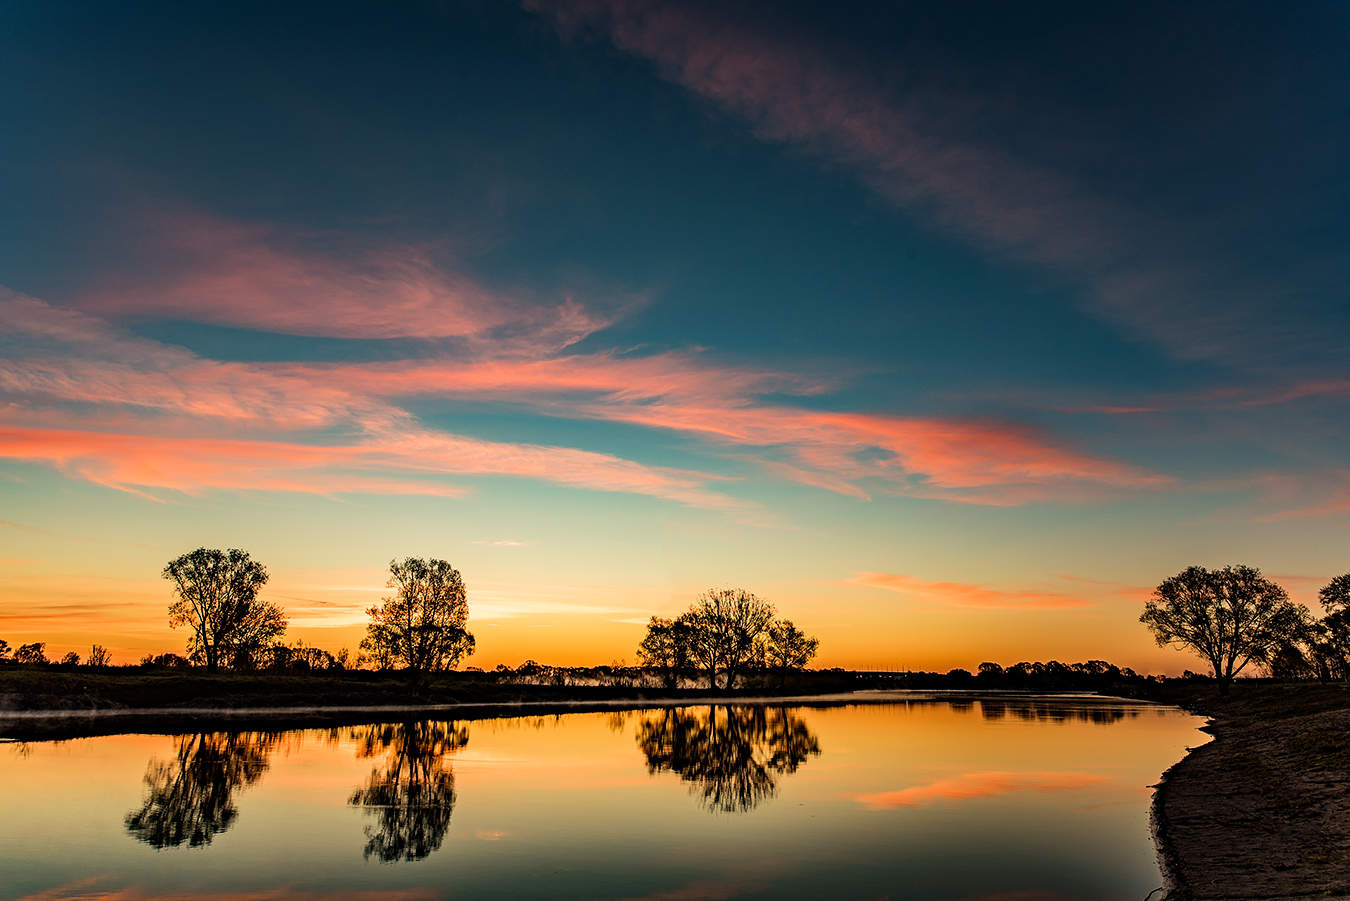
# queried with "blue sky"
point(951, 330)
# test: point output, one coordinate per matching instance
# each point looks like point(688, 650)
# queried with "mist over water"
point(908, 797)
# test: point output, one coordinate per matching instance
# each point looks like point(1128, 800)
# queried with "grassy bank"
point(1263, 811)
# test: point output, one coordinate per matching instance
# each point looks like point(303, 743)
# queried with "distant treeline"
point(421, 630)
point(1232, 617)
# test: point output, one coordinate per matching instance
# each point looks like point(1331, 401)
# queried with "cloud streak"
point(256, 277)
point(139, 415)
point(131, 414)
point(914, 148)
point(964, 594)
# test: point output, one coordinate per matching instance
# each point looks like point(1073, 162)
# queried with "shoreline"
point(58, 723)
point(1262, 810)
point(1174, 885)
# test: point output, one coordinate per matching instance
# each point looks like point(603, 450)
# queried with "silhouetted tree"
point(731, 756)
point(98, 657)
point(667, 649)
point(217, 595)
point(70, 658)
point(788, 647)
point(728, 627)
point(1231, 616)
point(1335, 595)
point(989, 671)
point(36, 652)
point(4, 650)
point(412, 792)
point(422, 627)
point(190, 799)
point(168, 661)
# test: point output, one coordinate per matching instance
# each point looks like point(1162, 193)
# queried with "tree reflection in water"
point(731, 756)
point(189, 799)
point(412, 792)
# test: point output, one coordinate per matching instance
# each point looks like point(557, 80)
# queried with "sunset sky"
point(949, 330)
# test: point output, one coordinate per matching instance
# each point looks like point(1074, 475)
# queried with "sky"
point(950, 329)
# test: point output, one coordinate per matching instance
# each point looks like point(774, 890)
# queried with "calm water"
point(929, 800)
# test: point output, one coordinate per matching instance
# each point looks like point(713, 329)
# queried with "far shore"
point(36, 705)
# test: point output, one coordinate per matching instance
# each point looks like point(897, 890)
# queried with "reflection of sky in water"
point(924, 800)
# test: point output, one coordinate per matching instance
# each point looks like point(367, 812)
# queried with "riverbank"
point(37, 704)
point(1263, 810)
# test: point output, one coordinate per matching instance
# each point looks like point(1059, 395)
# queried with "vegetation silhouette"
point(725, 633)
point(35, 652)
point(217, 598)
point(1231, 617)
point(190, 799)
point(422, 627)
point(411, 792)
point(731, 756)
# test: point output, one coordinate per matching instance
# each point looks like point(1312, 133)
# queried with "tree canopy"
point(423, 626)
point(725, 633)
point(1335, 595)
point(217, 598)
point(1230, 616)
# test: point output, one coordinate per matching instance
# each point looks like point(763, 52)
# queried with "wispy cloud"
point(130, 414)
point(254, 276)
point(963, 594)
point(918, 147)
point(139, 415)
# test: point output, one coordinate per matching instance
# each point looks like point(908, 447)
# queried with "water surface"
point(924, 799)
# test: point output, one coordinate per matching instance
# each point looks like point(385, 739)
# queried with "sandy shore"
point(1263, 810)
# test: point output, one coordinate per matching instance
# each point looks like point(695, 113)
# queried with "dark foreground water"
point(1008, 800)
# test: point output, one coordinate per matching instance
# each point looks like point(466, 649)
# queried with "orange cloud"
point(84, 383)
point(256, 277)
point(960, 594)
point(136, 462)
point(958, 460)
point(977, 785)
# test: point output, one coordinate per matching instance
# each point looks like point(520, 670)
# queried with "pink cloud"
point(128, 385)
point(961, 594)
point(969, 786)
point(256, 277)
point(913, 146)
point(161, 416)
point(398, 463)
point(961, 460)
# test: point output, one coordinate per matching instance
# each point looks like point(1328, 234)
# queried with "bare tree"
point(70, 659)
point(1231, 616)
point(728, 625)
point(667, 648)
point(1335, 595)
point(98, 657)
point(36, 652)
point(422, 627)
point(788, 647)
point(217, 595)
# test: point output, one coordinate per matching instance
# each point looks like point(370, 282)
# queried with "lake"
point(1000, 799)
